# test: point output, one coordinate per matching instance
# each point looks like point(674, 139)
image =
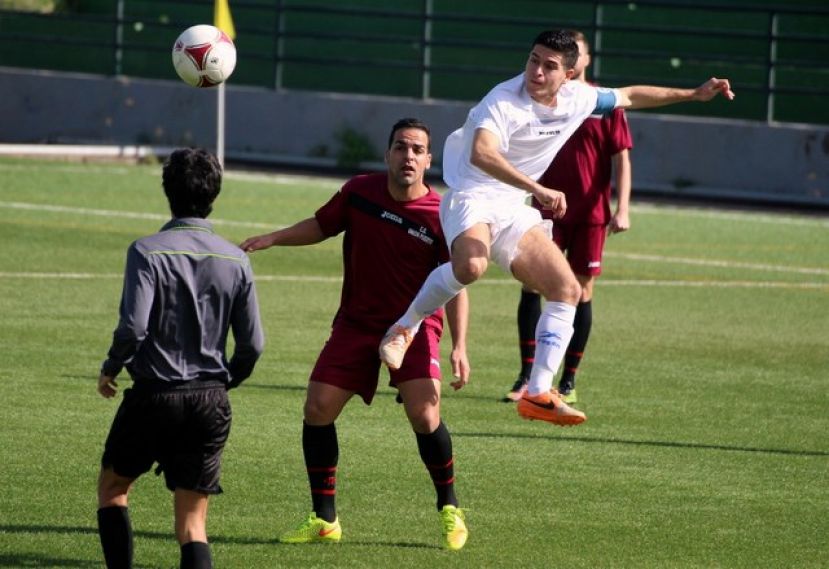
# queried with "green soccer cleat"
point(454, 528)
point(314, 530)
point(570, 397)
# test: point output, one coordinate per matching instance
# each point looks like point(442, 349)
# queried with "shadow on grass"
point(88, 377)
point(34, 528)
point(275, 387)
point(127, 382)
point(382, 394)
point(28, 560)
point(395, 544)
point(667, 444)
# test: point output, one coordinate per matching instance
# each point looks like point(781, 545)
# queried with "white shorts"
point(508, 220)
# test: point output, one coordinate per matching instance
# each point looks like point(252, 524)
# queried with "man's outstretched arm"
point(649, 96)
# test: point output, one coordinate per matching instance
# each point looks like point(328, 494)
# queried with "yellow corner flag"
point(222, 18)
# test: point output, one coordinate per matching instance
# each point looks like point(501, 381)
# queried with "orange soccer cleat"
point(549, 407)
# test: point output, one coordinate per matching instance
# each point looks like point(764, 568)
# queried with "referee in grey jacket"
point(184, 289)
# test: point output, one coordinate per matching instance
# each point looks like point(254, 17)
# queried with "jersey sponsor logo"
point(391, 217)
point(421, 234)
point(594, 264)
point(545, 127)
point(370, 208)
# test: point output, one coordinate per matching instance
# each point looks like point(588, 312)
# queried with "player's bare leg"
point(114, 526)
point(320, 448)
point(470, 258)
point(540, 265)
point(324, 403)
point(191, 532)
point(421, 400)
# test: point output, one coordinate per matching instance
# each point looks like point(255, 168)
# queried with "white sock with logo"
point(552, 336)
point(440, 287)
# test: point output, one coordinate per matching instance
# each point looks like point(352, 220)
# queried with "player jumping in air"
point(491, 164)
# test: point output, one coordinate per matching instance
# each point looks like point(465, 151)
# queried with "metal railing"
point(775, 55)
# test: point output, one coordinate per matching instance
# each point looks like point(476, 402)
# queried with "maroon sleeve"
point(619, 138)
point(333, 215)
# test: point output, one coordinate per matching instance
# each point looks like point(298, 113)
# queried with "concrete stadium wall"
point(709, 158)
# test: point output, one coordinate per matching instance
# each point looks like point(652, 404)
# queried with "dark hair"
point(562, 41)
point(411, 123)
point(192, 178)
point(579, 37)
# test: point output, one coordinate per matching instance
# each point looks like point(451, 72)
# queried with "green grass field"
point(705, 383)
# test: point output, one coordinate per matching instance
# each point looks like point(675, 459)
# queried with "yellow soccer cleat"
point(570, 397)
point(314, 530)
point(454, 528)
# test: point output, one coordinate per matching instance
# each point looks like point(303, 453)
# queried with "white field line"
point(716, 263)
point(496, 282)
point(733, 215)
point(630, 256)
point(122, 214)
point(334, 183)
point(258, 225)
point(248, 176)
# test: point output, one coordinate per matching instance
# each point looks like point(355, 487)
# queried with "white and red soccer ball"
point(204, 56)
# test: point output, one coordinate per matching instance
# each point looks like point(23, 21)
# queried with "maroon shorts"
point(350, 360)
point(583, 245)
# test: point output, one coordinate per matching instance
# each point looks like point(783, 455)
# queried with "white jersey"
point(531, 134)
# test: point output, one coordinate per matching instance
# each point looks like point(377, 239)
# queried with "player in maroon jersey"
point(389, 220)
point(582, 169)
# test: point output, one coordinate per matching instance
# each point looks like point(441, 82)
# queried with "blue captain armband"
point(606, 101)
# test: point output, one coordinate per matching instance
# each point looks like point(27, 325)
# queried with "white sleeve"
point(489, 114)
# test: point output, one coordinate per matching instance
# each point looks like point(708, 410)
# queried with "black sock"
point(529, 311)
point(115, 531)
point(575, 350)
point(319, 445)
point(436, 453)
point(196, 555)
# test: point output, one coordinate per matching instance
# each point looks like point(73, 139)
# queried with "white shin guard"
point(552, 336)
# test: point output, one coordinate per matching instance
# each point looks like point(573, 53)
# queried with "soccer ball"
point(204, 56)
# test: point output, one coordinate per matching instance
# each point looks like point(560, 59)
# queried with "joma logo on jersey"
point(392, 217)
point(425, 238)
point(550, 339)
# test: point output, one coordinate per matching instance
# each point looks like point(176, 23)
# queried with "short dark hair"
point(192, 179)
point(562, 41)
point(411, 123)
point(580, 37)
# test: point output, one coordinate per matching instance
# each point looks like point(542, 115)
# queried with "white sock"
point(440, 287)
point(552, 336)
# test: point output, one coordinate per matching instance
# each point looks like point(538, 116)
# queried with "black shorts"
point(184, 429)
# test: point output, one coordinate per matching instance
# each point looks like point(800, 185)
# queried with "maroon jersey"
point(389, 249)
point(583, 168)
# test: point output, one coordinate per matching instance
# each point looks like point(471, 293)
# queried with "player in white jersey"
point(491, 164)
